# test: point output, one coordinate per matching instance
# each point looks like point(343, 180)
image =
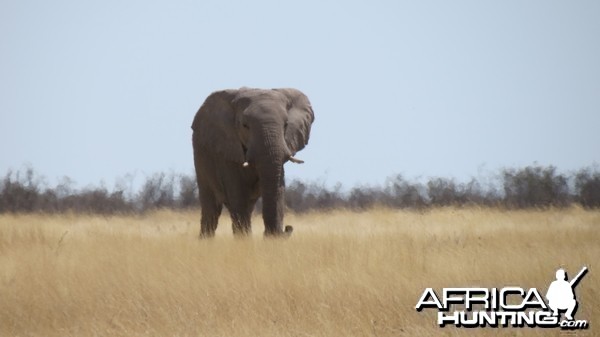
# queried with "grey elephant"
point(241, 140)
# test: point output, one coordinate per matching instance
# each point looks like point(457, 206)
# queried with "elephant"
point(241, 140)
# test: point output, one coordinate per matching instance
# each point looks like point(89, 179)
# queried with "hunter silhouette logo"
point(508, 306)
point(561, 295)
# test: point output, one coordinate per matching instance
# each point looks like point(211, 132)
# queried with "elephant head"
point(257, 130)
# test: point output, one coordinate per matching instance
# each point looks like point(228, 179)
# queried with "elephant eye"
point(285, 125)
point(245, 126)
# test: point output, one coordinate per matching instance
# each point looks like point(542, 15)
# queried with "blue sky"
point(96, 90)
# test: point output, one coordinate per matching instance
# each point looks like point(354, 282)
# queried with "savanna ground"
point(341, 273)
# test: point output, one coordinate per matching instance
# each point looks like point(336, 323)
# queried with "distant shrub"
point(158, 192)
point(302, 197)
point(188, 192)
point(443, 192)
point(587, 187)
point(400, 193)
point(535, 186)
point(365, 197)
point(20, 192)
point(94, 200)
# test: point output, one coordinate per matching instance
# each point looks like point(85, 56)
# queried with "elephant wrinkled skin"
point(241, 139)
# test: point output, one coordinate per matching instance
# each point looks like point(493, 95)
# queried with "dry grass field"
point(340, 274)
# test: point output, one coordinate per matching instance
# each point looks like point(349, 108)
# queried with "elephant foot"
point(206, 233)
point(286, 233)
point(205, 236)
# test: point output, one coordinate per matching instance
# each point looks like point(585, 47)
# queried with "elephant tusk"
point(245, 164)
point(296, 160)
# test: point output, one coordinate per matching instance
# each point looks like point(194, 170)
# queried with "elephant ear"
point(300, 119)
point(214, 126)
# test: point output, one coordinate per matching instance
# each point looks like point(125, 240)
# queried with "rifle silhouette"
point(578, 277)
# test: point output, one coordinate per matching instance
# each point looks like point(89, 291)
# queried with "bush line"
point(529, 187)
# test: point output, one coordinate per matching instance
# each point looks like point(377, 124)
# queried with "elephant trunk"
point(272, 183)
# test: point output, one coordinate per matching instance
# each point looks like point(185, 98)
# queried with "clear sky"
point(96, 90)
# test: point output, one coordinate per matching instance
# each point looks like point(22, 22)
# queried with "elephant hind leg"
point(211, 210)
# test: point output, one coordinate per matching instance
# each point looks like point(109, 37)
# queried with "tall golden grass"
point(341, 273)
